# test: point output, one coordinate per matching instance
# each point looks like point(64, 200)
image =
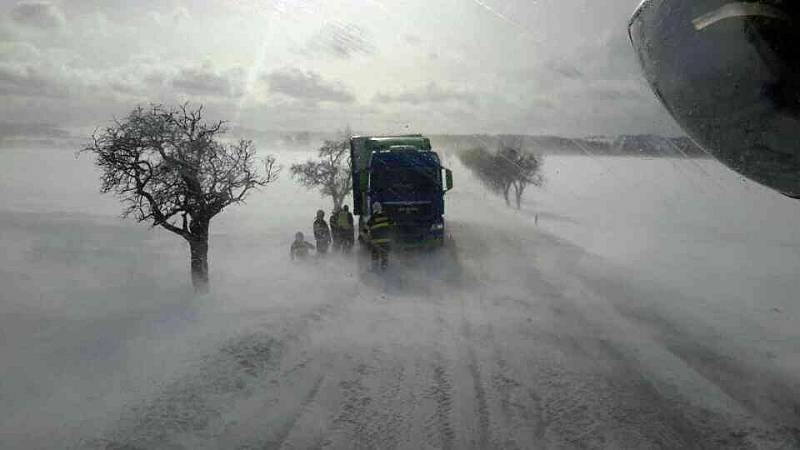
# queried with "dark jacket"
point(321, 231)
point(333, 222)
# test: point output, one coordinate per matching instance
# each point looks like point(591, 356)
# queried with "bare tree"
point(330, 173)
point(520, 169)
point(484, 165)
point(510, 167)
point(168, 168)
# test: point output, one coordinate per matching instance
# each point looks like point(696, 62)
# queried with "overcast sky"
point(455, 66)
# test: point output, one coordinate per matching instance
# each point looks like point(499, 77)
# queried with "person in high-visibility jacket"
point(380, 237)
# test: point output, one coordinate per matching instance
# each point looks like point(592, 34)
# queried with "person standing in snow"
point(300, 248)
point(344, 223)
point(336, 234)
point(380, 239)
point(322, 233)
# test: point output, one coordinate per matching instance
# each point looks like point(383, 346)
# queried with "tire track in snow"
point(368, 416)
point(589, 408)
point(629, 388)
point(284, 432)
point(397, 402)
point(194, 404)
point(614, 393)
point(763, 392)
point(439, 430)
point(441, 392)
point(484, 433)
point(511, 397)
point(351, 418)
point(716, 408)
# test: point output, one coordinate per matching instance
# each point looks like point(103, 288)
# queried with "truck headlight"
point(437, 226)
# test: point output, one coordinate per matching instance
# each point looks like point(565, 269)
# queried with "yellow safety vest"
point(342, 221)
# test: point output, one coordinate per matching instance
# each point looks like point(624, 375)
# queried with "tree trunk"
point(518, 191)
point(337, 202)
point(505, 194)
point(198, 249)
point(199, 263)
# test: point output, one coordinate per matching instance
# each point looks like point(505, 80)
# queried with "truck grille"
point(409, 211)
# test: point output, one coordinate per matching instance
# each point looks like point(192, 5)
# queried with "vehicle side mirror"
point(363, 181)
point(448, 178)
point(729, 74)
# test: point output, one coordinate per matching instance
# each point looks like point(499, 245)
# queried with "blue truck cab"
point(406, 176)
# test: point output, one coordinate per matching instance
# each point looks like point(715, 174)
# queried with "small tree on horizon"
point(521, 169)
point(510, 167)
point(330, 173)
point(167, 167)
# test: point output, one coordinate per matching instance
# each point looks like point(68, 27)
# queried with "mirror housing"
point(448, 177)
point(729, 74)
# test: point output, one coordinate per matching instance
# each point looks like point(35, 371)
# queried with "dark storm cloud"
point(341, 40)
point(307, 85)
point(37, 14)
point(431, 93)
point(204, 80)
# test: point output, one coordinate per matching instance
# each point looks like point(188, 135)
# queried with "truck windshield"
point(405, 174)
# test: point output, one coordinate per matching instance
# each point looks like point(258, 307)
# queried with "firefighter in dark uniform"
point(322, 233)
point(336, 232)
point(380, 237)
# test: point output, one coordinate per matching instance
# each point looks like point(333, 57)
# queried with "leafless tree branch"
point(510, 167)
point(330, 173)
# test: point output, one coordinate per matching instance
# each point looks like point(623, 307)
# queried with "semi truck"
point(406, 176)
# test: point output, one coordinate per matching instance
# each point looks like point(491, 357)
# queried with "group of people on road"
point(340, 234)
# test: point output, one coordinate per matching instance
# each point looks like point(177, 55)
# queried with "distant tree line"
point(646, 145)
point(508, 170)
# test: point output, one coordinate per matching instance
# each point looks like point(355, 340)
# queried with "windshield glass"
point(385, 224)
point(400, 174)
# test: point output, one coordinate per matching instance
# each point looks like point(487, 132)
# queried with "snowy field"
point(631, 303)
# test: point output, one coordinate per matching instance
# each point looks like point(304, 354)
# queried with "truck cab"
point(406, 176)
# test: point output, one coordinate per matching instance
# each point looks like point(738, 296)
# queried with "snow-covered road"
point(568, 358)
point(525, 341)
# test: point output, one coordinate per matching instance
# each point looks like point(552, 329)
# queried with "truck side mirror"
point(363, 181)
point(448, 177)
